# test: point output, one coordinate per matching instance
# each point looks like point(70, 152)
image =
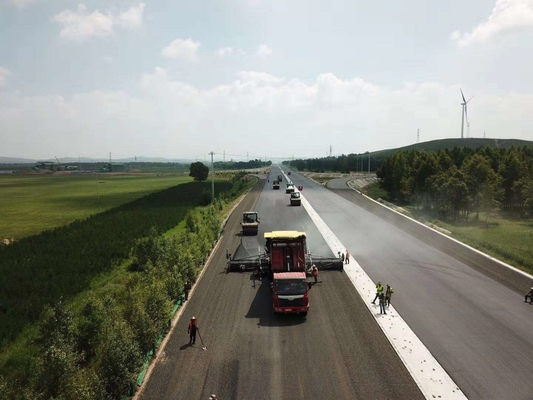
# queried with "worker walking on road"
point(382, 304)
point(315, 273)
point(193, 327)
point(388, 294)
point(347, 259)
point(379, 290)
point(530, 295)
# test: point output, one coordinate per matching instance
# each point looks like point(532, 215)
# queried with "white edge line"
point(431, 378)
point(449, 237)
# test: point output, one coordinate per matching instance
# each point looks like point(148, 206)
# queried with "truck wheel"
point(304, 314)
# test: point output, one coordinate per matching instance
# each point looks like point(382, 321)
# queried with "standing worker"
point(188, 287)
point(193, 327)
point(530, 295)
point(347, 259)
point(382, 304)
point(379, 290)
point(342, 258)
point(315, 273)
point(388, 294)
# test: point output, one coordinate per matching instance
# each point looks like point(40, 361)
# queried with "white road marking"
point(433, 381)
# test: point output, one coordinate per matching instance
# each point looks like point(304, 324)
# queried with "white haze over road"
point(178, 80)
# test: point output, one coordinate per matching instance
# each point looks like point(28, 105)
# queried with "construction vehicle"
point(296, 199)
point(275, 185)
point(284, 251)
point(250, 223)
point(287, 261)
point(290, 293)
point(290, 188)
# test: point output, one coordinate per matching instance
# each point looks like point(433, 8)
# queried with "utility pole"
point(212, 178)
point(247, 159)
point(109, 157)
point(330, 150)
point(418, 135)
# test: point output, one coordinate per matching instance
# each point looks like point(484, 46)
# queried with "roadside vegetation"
point(82, 304)
point(483, 196)
point(31, 204)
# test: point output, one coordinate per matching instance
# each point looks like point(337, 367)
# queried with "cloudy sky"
point(267, 78)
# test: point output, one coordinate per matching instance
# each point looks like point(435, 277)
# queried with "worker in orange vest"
point(315, 273)
point(193, 327)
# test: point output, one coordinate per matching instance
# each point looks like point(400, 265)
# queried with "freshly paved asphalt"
point(337, 352)
point(471, 317)
point(478, 328)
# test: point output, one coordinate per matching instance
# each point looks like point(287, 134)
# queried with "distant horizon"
point(227, 159)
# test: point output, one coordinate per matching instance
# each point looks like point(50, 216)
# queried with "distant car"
point(300, 187)
point(290, 188)
point(288, 173)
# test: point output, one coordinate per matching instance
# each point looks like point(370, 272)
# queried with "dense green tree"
point(199, 171)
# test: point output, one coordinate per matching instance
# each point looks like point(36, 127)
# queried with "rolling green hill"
point(441, 144)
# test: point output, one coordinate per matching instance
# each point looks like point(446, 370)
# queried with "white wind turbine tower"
point(465, 114)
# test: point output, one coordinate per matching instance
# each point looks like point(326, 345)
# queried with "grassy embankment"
point(33, 203)
point(87, 256)
point(505, 238)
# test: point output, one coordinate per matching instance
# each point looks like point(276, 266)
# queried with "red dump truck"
point(290, 293)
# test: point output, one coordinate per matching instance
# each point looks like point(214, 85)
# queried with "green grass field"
point(508, 239)
point(30, 204)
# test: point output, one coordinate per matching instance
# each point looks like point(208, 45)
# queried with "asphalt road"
point(337, 352)
point(472, 318)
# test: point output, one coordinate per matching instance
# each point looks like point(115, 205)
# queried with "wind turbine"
point(464, 114)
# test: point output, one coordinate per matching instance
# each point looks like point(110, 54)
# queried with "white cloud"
point(4, 73)
point(507, 16)
point(168, 117)
point(263, 51)
point(181, 49)
point(259, 77)
point(79, 25)
point(133, 18)
point(223, 52)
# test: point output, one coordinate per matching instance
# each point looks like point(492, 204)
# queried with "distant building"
point(47, 165)
point(112, 167)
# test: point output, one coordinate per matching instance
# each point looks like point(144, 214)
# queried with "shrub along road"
point(338, 352)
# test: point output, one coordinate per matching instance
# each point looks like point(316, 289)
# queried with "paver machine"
point(287, 262)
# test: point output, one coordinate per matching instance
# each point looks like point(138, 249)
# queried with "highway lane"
point(478, 329)
point(337, 352)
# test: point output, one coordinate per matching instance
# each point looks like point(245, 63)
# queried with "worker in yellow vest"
point(379, 290)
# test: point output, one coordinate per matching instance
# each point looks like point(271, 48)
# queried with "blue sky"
point(268, 78)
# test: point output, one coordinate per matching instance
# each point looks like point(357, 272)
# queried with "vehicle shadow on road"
point(261, 308)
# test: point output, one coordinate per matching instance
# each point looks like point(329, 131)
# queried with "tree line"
point(454, 184)
point(233, 165)
point(93, 349)
point(343, 163)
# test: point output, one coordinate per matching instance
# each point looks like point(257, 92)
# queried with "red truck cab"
point(290, 293)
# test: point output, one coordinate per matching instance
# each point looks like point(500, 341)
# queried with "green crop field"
point(30, 204)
